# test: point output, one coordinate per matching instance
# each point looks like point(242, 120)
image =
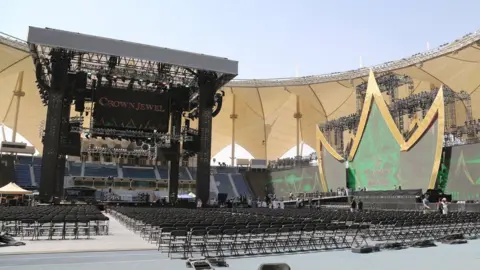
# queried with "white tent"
point(13, 189)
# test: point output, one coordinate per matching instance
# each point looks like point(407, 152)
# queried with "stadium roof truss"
point(266, 113)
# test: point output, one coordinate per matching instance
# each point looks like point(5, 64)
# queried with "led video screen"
point(380, 165)
point(295, 181)
point(334, 171)
point(127, 109)
point(464, 173)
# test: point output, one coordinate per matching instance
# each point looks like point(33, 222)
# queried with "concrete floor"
point(124, 250)
point(442, 257)
point(119, 239)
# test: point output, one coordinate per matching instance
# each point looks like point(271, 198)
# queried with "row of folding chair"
point(407, 231)
point(233, 242)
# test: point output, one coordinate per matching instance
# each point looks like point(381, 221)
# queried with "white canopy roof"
point(13, 189)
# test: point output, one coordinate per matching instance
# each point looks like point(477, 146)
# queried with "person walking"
point(425, 203)
point(353, 205)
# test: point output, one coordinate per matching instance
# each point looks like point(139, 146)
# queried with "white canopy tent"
point(13, 189)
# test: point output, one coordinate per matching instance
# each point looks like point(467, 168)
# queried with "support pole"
point(64, 144)
point(18, 93)
point(234, 117)
point(51, 141)
point(208, 84)
point(4, 136)
point(298, 117)
point(175, 130)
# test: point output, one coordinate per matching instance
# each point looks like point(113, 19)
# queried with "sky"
point(269, 38)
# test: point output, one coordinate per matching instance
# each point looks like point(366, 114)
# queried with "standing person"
point(360, 205)
point(444, 206)
point(199, 203)
point(440, 206)
point(353, 205)
point(425, 203)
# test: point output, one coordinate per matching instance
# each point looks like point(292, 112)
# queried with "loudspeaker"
point(222, 197)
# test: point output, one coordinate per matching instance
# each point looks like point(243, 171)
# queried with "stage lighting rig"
point(122, 65)
point(193, 112)
point(388, 82)
point(125, 134)
point(118, 152)
point(107, 59)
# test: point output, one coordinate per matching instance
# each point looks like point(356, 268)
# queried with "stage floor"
point(120, 239)
point(442, 257)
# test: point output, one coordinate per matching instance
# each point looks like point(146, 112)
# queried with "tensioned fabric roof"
point(265, 124)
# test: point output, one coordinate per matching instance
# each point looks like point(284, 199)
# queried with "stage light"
point(130, 84)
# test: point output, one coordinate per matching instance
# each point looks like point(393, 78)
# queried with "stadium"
point(386, 134)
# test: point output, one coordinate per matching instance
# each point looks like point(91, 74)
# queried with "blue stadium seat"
point(193, 172)
point(224, 185)
point(100, 170)
point(183, 174)
point(22, 175)
point(163, 171)
point(24, 160)
point(143, 173)
point(241, 185)
point(75, 169)
point(29, 160)
point(37, 171)
point(221, 169)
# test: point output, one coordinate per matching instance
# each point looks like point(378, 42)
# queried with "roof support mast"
point(18, 93)
point(298, 117)
point(234, 117)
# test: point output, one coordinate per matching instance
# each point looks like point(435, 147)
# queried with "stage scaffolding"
point(60, 55)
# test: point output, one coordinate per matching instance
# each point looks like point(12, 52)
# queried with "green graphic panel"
point(295, 181)
point(464, 173)
point(334, 171)
point(380, 165)
point(416, 165)
point(376, 163)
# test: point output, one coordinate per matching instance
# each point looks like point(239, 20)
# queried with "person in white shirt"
point(444, 206)
point(199, 203)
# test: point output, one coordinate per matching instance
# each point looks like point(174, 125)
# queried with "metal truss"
point(390, 66)
point(466, 40)
point(388, 82)
point(120, 152)
point(118, 68)
point(13, 42)
point(127, 134)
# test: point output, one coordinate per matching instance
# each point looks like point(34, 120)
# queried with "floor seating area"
point(53, 222)
point(187, 233)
